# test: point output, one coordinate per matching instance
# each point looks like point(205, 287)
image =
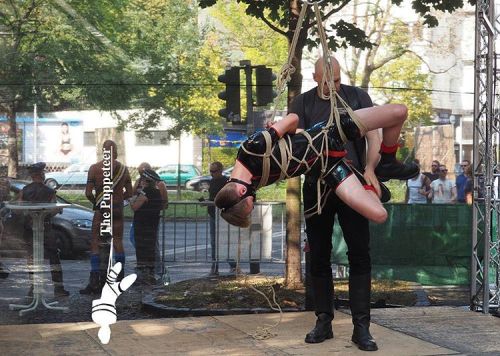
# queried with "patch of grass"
point(392, 292)
point(228, 292)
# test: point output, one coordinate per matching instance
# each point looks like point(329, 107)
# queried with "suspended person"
point(38, 192)
point(94, 191)
point(147, 205)
point(303, 153)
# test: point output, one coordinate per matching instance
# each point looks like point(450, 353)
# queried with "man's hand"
point(268, 124)
point(371, 179)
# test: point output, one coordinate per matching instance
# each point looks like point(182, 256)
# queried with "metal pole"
point(35, 133)
point(247, 66)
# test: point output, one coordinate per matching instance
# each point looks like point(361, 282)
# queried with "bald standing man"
point(312, 108)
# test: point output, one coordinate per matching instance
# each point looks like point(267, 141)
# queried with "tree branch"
point(270, 25)
point(428, 65)
point(331, 12)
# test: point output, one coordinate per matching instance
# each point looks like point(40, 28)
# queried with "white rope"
point(264, 332)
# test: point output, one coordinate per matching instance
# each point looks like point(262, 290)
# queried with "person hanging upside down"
point(279, 153)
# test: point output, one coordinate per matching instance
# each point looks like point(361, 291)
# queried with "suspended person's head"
point(236, 200)
point(319, 70)
point(110, 145)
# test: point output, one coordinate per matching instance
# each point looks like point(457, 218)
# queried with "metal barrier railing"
point(189, 234)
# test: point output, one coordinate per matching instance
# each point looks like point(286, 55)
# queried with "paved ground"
point(226, 335)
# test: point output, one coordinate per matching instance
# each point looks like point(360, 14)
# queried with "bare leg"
point(365, 202)
point(389, 117)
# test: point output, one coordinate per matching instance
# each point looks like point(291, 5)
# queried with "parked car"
point(202, 183)
point(72, 228)
point(169, 174)
point(74, 175)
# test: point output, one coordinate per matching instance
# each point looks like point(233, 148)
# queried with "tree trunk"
point(293, 272)
point(12, 143)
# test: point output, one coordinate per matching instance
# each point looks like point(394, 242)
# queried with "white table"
point(38, 213)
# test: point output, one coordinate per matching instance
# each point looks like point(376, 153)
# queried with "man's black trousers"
point(319, 229)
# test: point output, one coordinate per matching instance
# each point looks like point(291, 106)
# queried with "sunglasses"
point(443, 170)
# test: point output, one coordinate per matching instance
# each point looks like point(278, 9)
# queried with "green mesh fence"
point(428, 244)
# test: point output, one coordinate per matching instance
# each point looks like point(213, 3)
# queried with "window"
point(157, 138)
point(89, 138)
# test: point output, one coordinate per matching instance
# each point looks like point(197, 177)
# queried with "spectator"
point(147, 205)
point(418, 188)
point(38, 192)
point(216, 183)
point(434, 173)
point(469, 184)
point(443, 190)
point(461, 181)
point(122, 190)
point(162, 187)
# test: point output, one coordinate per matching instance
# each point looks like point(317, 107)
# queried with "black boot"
point(390, 168)
point(57, 279)
point(94, 286)
point(322, 330)
point(359, 299)
point(323, 301)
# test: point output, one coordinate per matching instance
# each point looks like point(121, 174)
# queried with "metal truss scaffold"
point(485, 286)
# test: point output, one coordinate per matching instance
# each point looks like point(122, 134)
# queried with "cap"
point(36, 167)
point(151, 175)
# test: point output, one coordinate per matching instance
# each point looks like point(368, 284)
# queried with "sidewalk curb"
point(150, 305)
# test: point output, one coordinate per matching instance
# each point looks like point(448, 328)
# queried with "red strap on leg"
point(370, 187)
point(389, 149)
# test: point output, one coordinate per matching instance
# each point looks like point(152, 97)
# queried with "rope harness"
point(285, 144)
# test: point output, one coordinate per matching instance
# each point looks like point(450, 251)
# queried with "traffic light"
point(231, 95)
point(264, 78)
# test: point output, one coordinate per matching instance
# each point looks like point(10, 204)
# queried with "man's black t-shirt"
point(311, 110)
point(38, 193)
point(149, 212)
point(216, 185)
